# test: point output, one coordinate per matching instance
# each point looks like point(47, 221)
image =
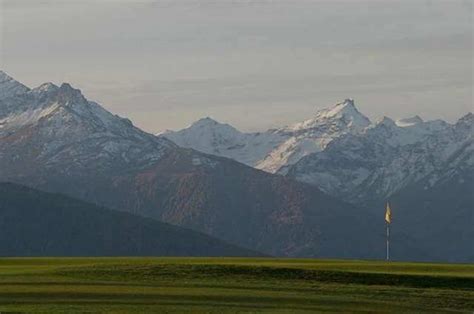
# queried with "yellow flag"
point(388, 214)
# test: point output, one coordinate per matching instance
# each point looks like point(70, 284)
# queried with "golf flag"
point(388, 214)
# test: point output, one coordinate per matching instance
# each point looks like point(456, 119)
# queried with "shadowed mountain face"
point(54, 139)
point(42, 224)
point(438, 211)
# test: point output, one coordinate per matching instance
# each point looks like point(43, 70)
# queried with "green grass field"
point(134, 285)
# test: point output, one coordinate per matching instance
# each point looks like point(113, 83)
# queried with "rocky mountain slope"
point(54, 139)
point(9, 87)
point(35, 223)
point(438, 211)
point(388, 157)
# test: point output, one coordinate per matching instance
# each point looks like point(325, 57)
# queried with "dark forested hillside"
point(35, 223)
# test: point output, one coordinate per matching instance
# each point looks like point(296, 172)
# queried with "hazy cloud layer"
point(255, 64)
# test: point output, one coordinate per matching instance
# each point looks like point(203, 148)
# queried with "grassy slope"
point(231, 284)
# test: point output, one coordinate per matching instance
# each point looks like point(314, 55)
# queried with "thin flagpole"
point(388, 242)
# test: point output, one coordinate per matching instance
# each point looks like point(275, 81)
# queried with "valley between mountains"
point(314, 189)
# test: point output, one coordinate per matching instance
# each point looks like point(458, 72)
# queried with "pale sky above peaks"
point(253, 64)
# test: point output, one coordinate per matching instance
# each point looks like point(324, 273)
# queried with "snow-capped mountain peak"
point(405, 131)
point(465, 125)
point(46, 87)
point(212, 137)
point(345, 113)
point(40, 102)
point(204, 129)
point(346, 108)
point(207, 121)
point(10, 87)
point(67, 92)
point(314, 135)
point(63, 126)
point(385, 122)
point(467, 119)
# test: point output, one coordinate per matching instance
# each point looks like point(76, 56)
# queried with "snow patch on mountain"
point(45, 88)
point(27, 117)
point(406, 122)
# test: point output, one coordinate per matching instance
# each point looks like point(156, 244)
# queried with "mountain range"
point(342, 152)
point(275, 150)
point(53, 139)
point(311, 189)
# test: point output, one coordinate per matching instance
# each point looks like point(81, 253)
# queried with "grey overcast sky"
point(254, 64)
